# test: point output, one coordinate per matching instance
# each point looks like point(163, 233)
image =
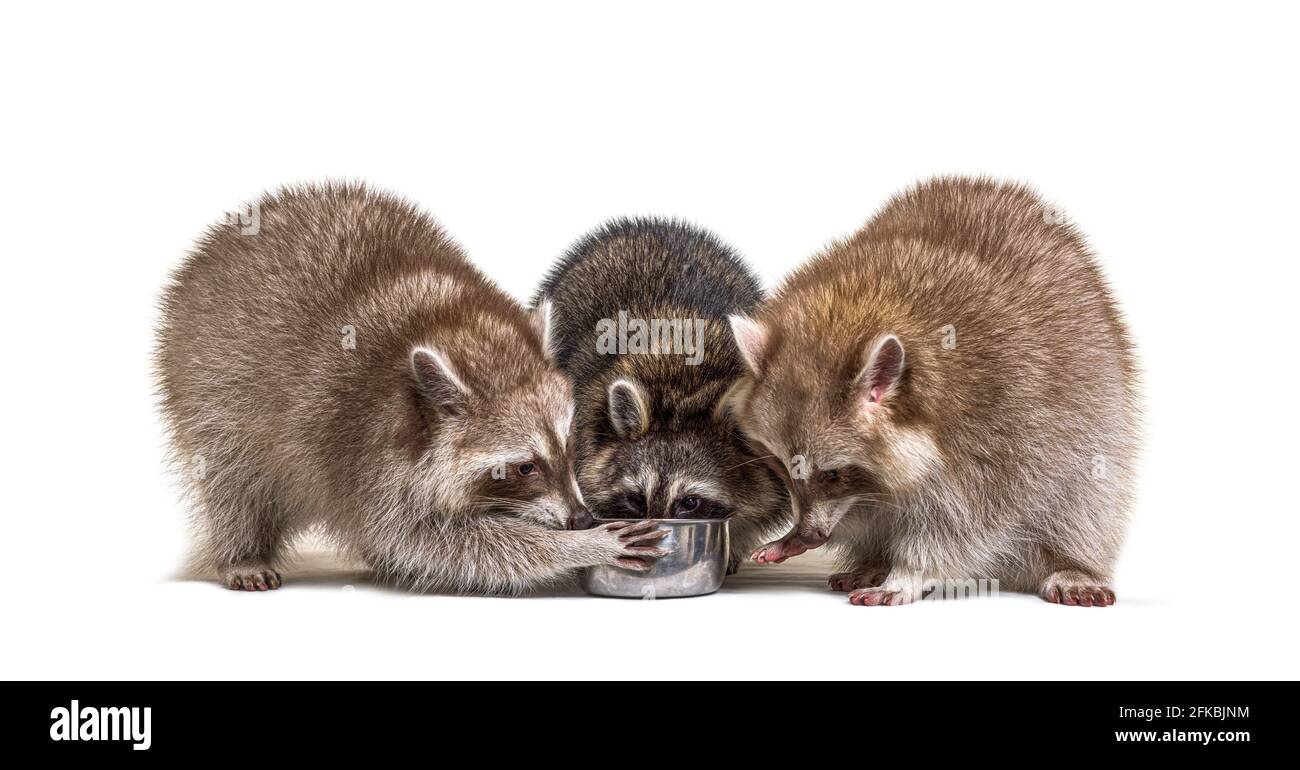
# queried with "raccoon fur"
point(344, 367)
point(653, 441)
point(952, 395)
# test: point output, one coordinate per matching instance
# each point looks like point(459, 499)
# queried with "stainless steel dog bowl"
point(695, 566)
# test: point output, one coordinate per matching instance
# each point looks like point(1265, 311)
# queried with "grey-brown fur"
point(676, 443)
point(278, 424)
point(999, 442)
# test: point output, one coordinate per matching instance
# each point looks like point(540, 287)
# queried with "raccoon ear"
point(436, 380)
point(884, 368)
point(627, 409)
point(751, 338)
point(543, 321)
point(732, 401)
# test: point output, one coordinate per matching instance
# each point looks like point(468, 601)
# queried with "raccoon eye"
point(633, 503)
point(829, 475)
point(693, 507)
point(527, 469)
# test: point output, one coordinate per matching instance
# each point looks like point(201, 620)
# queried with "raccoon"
point(640, 308)
point(344, 367)
point(952, 394)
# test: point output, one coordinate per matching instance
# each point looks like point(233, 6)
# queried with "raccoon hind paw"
point(250, 579)
point(1074, 589)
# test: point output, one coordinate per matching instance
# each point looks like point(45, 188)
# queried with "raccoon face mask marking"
point(513, 454)
point(834, 429)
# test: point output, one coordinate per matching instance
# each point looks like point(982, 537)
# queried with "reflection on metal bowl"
point(696, 564)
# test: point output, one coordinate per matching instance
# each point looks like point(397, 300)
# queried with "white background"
point(1167, 131)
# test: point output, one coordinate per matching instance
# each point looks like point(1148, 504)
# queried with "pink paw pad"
point(775, 553)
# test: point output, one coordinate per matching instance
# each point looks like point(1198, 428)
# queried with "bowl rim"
point(724, 519)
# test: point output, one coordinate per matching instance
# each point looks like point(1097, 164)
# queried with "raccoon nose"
point(815, 538)
point(581, 519)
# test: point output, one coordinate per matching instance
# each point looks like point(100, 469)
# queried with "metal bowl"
point(695, 566)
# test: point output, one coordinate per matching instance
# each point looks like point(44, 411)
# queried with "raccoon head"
point(842, 430)
point(702, 468)
point(498, 445)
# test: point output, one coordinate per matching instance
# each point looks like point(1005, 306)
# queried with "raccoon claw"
point(255, 580)
point(631, 545)
point(878, 597)
point(652, 553)
point(849, 581)
point(640, 533)
point(1076, 589)
point(775, 553)
point(843, 581)
point(1080, 596)
point(633, 563)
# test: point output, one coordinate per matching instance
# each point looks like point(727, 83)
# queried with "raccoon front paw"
point(863, 578)
point(250, 579)
point(629, 544)
point(880, 597)
point(1076, 589)
point(778, 551)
